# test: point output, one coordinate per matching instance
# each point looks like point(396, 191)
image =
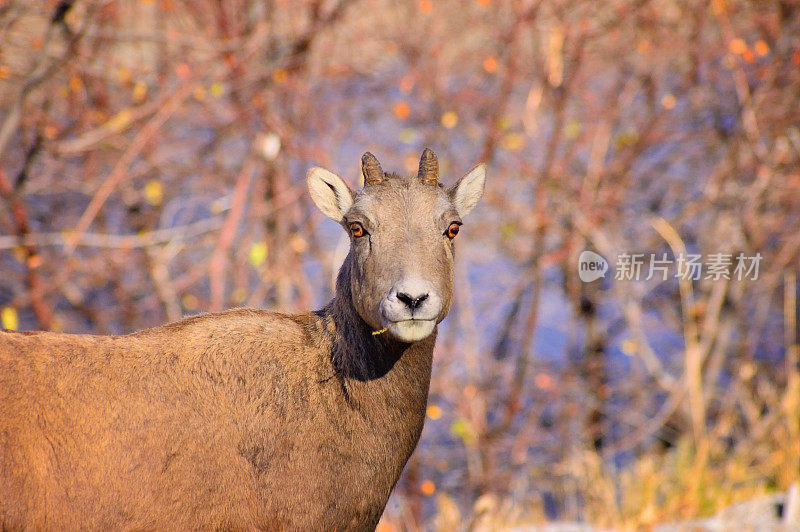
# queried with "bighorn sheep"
point(245, 419)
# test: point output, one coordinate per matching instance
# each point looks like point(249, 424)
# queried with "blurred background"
point(152, 165)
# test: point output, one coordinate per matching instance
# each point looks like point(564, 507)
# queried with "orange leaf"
point(449, 119)
point(434, 412)
point(402, 110)
point(544, 381)
point(183, 70)
point(737, 46)
point(75, 84)
point(490, 64)
point(280, 75)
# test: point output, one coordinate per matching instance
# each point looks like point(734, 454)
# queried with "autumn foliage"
point(152, 164)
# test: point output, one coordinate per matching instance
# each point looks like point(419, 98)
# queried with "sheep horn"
point(371, 168)
point(428, 168)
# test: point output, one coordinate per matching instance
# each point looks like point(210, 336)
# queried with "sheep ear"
point(330, 193)
point(467, 192)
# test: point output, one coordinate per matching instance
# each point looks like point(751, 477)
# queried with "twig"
point(381, 331)
point(116, 125)
point(32, 259)
point(159, 273)
point(791, 399)
point(694, 350)
point(41, 72)
point(100, 240)
point(216, 268)
point(120, 170)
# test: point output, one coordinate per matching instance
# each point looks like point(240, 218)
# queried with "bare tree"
point(148, 147)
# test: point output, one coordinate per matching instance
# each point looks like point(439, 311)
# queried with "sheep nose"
point(411, 301)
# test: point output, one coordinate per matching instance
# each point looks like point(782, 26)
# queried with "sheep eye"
point(452, 231)
point(357, 229)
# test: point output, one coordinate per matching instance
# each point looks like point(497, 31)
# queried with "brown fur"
point(244, 419)
point(232, 420)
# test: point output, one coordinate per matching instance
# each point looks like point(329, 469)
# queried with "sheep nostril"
point(411, 301)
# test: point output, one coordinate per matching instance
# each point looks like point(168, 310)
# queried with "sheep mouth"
point(409, 330)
